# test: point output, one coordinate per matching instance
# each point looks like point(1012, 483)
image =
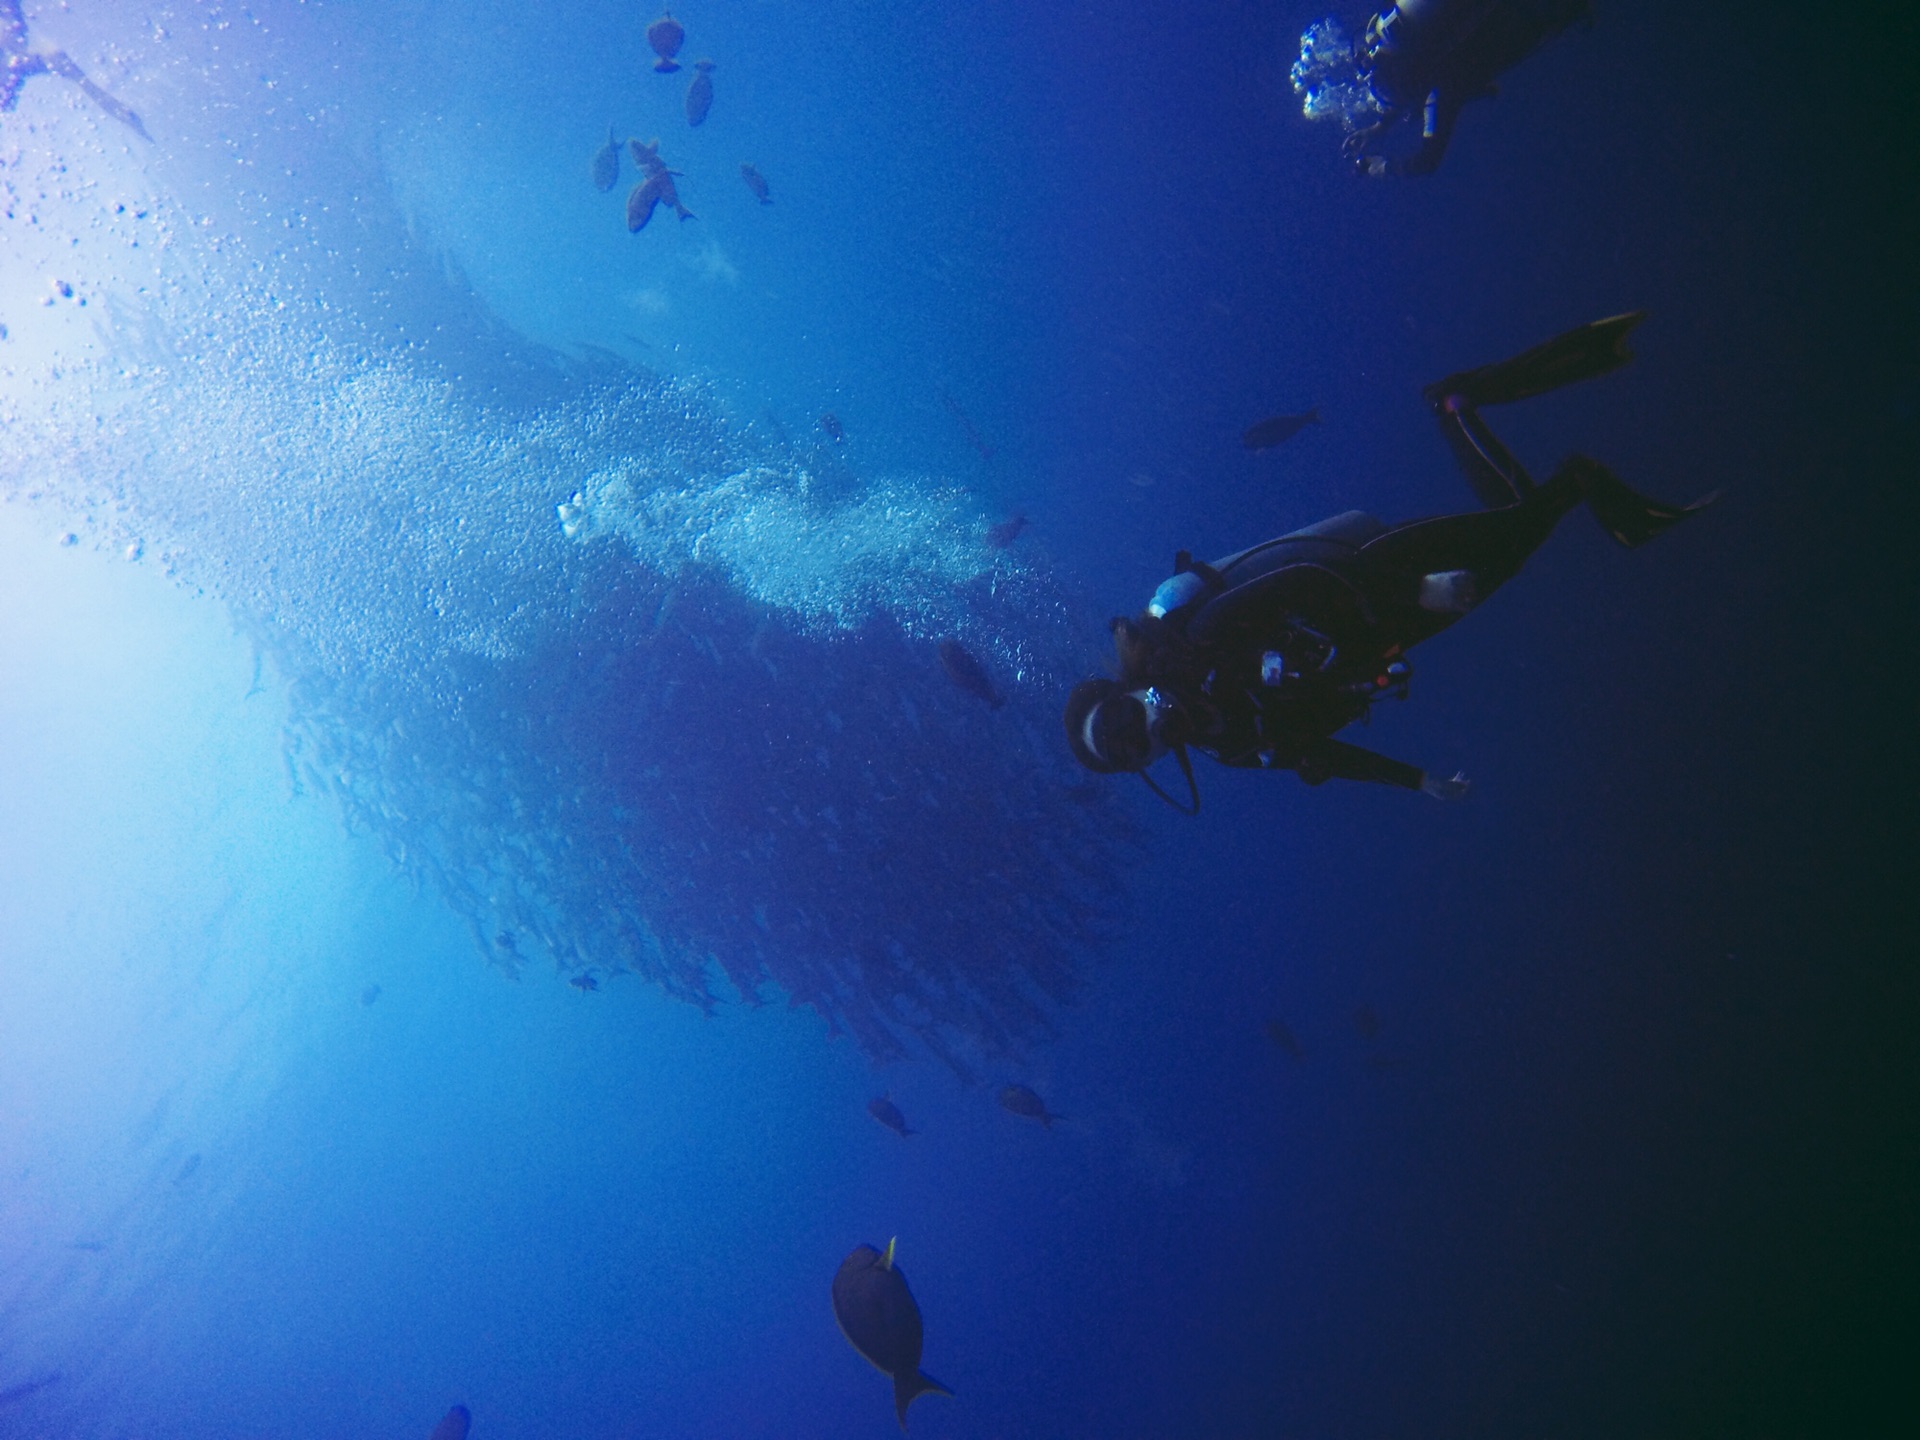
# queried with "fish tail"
point(908, 1388)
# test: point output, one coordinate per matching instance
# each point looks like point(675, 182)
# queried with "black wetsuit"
point(1337, 606)
point(1331, 611)
point(19, 64)
point(1430, 58)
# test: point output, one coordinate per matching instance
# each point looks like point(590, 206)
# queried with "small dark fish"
point(1366, 1022)
point(657, 189)
point(606, 164)
point(1022, 1101)
point(1281, 1036)
point(967, 672)
point(966, 424)
point(1006, 532)
point(756, 182)
point(453, 1425)
point(186, 1170)
point(888, 1114)
point(836, 432)
point(653, 191)
point(647, 156)
point(584, 983)
point(1277, 430)
point(91, 1246)
point(641, 201)
point(370, 994)
point(700, 93)
point(880, 1319)
point(666, 35)
point(670, 195)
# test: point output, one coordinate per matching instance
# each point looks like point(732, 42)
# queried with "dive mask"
point(1130, 730)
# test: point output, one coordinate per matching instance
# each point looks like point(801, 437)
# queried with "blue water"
point(417, 593)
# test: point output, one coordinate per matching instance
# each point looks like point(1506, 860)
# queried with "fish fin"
point(886, 1261)
point(909, 1388)
point(666, 66)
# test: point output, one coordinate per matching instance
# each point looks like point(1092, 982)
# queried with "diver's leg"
point(1494, 471)
point(1581, 354)
point(1629, 517)
point(1492, 545)
point(1446, 566)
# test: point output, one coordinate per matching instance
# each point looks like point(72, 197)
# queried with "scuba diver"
point(1424, 58)
point(1261, 658)
point(19, 64)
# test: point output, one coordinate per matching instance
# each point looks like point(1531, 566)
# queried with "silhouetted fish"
point(966, 424)
point(1366, 1022)
point(666, 35)
point(888, 1114)
point(1280, 1035)
point(1022, 1101)
point(1277, 430)
point(1006, 532)
point(756, 182)
point(584, 983)
point(641, 201)
point(606, 164)
point(370, 994)
point(670, 194)
point(700, 93)
point(878, 1316)
point(453, 1425)
point(836, 432)
point(656, 189)
point(191, 1164)
point(647, 155)
point(967, 673)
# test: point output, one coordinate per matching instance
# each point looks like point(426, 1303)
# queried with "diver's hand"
point(1439, 789)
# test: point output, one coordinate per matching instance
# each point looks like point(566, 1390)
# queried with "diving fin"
point(1582, 354)
point(910, 1386)
point(1632, 519)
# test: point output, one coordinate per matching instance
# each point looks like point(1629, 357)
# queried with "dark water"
point(465, 598)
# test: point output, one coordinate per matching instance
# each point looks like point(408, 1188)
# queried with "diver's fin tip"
point(1584, 353)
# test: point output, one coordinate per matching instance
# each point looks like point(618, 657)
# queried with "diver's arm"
point(1436, 133)
point(1335, 760)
